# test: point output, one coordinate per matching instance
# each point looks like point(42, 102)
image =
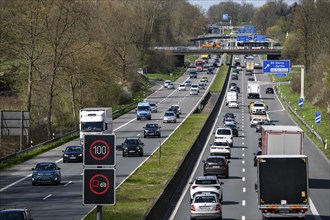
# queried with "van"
point(143, 110)
point(225, 134)
point(231, 96)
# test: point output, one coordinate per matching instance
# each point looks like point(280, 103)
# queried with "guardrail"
point(22, 152)
point(303, 122)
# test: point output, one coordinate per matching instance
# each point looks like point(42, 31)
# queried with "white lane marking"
point(47, 197)
point(14, 183)
point(243, 155)
point(243, 202)
point(243, 217)
point(243, 170)
point(242, 138)
point(314, 210)
point(243, 149)
point(244, 189)
point(82, 174)
point(242, 133)
point(243, 162)
point(243, 179)
point(138, 134)
point(68, 183)
point(59, 160)
point(242, 143)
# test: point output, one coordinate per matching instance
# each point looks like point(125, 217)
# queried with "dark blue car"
point(46, 173)
point(73, 153)
point(151, 129)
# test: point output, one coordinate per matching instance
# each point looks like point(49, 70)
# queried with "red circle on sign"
point(93, 183)
point(91, 150)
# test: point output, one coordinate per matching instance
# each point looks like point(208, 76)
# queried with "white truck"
point(253, 90)
point(249, 70)
point(282, 185)
point(281, 140)
point(95, 121)
point(231, 96)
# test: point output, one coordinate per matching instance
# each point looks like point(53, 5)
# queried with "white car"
point(205, 205)
point(170, 85)
point(153, 107)
point(182, 87)
point(206, 184)
point(195, 86)
point(257, 118)
point(232, 105)
point(229, 121)
point(167, 82)
point(225, 134)
point(193, 91)
point(169, 116)
point(220, 148)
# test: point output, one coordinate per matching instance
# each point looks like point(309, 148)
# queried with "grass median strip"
point(138, 193)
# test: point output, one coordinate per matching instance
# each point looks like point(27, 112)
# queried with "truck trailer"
point(281, 139)
point(95, 121)
point(282, 185)
point(253, 90)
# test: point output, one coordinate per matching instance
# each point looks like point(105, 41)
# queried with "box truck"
point(95, 121)
point(282, 185)
point(253, 90)
point(281, 139)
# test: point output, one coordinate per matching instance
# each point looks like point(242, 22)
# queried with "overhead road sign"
point(242, 38)
point(241, 30)
point(276, 66)
point(259, 38)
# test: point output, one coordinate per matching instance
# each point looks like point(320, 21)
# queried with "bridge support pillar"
point(273, 57)
point(179, 60)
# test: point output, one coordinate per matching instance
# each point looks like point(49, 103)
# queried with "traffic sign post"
point(300, 102)
point(99, 186)
point(317, 118)
point(276, 66)
point(100, 150)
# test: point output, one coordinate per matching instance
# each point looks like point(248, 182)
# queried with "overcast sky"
point(257, 3)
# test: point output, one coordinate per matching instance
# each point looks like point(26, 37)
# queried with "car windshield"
point(220, 144)
point(132, 142)
point(169, 114)
point(258, 105)
point(223, 131)
point(91, 126)
point(152, 126)
point(73, 149)
point(205, 182)
point(143, 108)
point(205, 199)
point(13, 215)
point(152, 105)
point(215, 160)
point(45, 167)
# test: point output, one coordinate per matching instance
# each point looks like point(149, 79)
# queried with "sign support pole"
point(302, 83)
point(99, 212)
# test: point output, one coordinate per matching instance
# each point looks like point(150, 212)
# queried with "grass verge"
point(217, 84)
point(138, 193)
point(308, 113)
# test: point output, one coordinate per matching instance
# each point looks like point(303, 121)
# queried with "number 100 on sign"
point(100, 150)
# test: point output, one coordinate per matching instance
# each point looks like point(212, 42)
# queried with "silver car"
point(153, 107)
point(169, 116)
point(206, 205)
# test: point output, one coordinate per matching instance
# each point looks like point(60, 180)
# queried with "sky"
point(207, 3)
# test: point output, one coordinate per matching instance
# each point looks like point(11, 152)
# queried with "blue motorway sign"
point(280, 74)
point(318, 118)
point(242, 38)
point(276, 66)
point(301, 102)
point(259, 38)
point(250, 29)
point(241, 30)
point(225, 17)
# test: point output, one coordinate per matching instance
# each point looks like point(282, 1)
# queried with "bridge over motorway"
point(272, 53)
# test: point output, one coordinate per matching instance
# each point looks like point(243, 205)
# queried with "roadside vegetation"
point(151, 178)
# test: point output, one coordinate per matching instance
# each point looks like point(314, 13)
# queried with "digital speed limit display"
point(100, 150)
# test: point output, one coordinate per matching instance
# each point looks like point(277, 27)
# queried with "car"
point(73, 153)
point(195, 86)
point(210, 70)
point(206, 184)
point(224, 134)
point(153, 107)
point(228, 115)
point(250, 79)
point(234, 128)
point(176, 109)
point(220, 147)
point(261, 123)
point(255, 160)
point(234, 77)
point(216, 165)
point(15, 214)
point(236, 58)
point(234, 89)
point(269, 90)
point(182, 87)
point(201, 85)
point(169, 116)
point(232, 104)
point(187, 83)
point(193, 91)
point(232, 84)
point(151, 129)
point(229, 120)
point(170, 86)
point(46, 173)
point(205, 205)
point(132, 146)
point(256, 118)
point(166, 82)
point(205, 79)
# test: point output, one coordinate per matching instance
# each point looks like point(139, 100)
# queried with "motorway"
point(64, 201)
point(240, 198)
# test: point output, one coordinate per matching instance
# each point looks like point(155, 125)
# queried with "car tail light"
point(218, 207)
point(193, 208)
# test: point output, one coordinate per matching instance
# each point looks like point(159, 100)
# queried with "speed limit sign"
point(100, 150)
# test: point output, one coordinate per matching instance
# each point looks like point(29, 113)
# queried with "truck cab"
point(143, 110)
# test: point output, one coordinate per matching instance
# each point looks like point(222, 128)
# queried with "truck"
point(143, 110)
point(253, 90)
point(95, 121)
point(281, 139)
point(249, 70)
point(231, 96)
point(282, 185)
